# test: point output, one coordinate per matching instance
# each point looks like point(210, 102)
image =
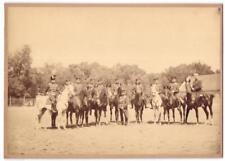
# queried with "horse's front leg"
point(173, 111)
point(62, 119)
point(155, 113)
point(196, 112)
point(121, 116)
point(180, 112)
point(206, 113)
point(137, 115)
point(160, 115)
point(168, 114)
point(164, 113)
point(67, 117)
point(53, 118)
point(184, 113)
point(187, 112)
point(86, 116)
point(211, 113)
point(71, 117)
point(116, 113)
point(77, 117)
point(99, 114)
point(38, 118)
point(110, 108)
point(141, 113)
point(96, 116)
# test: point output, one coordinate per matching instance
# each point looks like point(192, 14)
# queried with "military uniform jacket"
point(138, 89)
point(52, 88)
point(77, 88)
point(155, 89)
point(123, 102)
point(197, 85)
point(174, 87)
point(188, 87)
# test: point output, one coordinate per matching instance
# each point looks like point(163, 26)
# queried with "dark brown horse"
point(98, 102)
point(138, 102)
point(113, 103)
point(103, 98)
point(169, 102)
point(78, 105)
point(197, 100)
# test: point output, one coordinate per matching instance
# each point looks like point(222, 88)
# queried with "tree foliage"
point(23, 80)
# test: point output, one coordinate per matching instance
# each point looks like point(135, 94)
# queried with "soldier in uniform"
point(138, 90)
point(116, 87)
point(123, 106)
point(155, 88)
point(77, 86)
point(52, 91)
point(188, 88)
point(196, 86)
point(174, 90)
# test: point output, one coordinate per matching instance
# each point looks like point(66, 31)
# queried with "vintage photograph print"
point(113, 80)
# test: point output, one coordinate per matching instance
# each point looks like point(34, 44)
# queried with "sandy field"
point(112, 140)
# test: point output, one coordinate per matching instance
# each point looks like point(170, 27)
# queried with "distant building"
point(210, 83)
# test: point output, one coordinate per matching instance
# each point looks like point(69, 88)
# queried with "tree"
point(19, 67)
point(183, 70)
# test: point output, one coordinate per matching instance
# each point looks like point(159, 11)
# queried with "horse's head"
point(69, 90)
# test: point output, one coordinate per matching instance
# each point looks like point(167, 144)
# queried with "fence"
point(12, 101)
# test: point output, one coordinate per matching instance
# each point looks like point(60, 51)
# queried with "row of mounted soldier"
point(97, 96)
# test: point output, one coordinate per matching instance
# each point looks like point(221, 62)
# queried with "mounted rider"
point(52, 91)
point(196, 86)
point(80, 91)
point(123, 102)
point(174, 90)
point(116, 88)
point(155, 87)
point(188, 88)
point(138, 90)
point(123, 99)
point(90, 88)
point(155, 92)
point(77, 86)
point(95, 93)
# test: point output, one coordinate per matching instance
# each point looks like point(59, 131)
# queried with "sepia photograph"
point(113, 81)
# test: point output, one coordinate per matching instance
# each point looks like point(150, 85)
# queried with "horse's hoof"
point(61, 127)
point(211, 122)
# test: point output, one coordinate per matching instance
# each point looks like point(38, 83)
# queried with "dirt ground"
point(133, 140)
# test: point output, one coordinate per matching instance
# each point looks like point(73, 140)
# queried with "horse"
point(63, 103)
point(157, 103)
point(43, 104)
point(113, 103)
point(138, 102)
point(197, 100)
point(103, 102)
point(171, 103)
point(78, 105)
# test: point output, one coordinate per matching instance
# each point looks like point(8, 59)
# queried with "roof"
point(210, 82)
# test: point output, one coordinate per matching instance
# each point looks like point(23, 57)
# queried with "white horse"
point(42, 104)
point(62, 104)
point(157, 107)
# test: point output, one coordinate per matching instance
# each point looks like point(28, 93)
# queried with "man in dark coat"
point(52, 91)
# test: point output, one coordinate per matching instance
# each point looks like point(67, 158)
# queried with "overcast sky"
point(154, 38)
